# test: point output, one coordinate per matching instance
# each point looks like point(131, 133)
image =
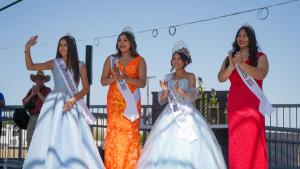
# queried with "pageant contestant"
point(180, 138)
point(246, 68)
point(62, 138)
point(125, 73)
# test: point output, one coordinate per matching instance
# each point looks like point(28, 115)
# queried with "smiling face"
point(40, 80)
point(63, 48)
point(177, 62)
point(242, 39)
point(124, 44)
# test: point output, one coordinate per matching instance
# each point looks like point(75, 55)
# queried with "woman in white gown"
point(180, 137)
point(62, 138)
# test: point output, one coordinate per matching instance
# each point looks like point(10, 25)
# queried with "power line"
point(263, 13)
point(238, 13)
point(172, 28)
point(9, 5)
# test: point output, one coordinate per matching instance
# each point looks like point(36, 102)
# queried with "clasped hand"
point(236, 59)
point(164, 86)
point(117, 75)
point(35, 89)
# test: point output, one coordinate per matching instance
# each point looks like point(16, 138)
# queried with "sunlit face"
point(177, 62)
point(63, 47)
point(39, 80)
point(242, 39)
point(124, 44)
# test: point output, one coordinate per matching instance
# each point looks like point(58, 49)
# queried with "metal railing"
point(282, 131)
point(13, 143)
point(283, 136)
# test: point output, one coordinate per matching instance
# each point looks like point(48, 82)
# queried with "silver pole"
point(148, 119)
point(148, 77)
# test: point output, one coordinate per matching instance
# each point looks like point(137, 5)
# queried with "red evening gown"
point(246, 126)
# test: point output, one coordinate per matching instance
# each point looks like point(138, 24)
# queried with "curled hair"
point(72, 60)
point(133, 45)
point(185, 59)
point(252, 45)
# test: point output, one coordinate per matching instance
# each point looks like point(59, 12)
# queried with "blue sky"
point(209, 42)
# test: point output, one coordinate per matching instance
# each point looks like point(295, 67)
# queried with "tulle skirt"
point(165, 150)
point(62, 140)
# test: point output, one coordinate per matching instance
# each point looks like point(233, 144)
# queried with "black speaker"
point(88, 62)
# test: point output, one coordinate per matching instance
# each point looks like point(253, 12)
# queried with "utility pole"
point(147, 81)
point(148, 111)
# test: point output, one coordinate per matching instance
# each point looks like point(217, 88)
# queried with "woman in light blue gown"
point(180, 138)
point(62, 138)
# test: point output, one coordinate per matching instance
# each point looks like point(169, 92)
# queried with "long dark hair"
point(133, 45)
point(72, 61)
point(252, 45)
point(185, 59)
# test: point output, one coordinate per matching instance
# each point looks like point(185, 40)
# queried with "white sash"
point(69, 82)
point(131, 111)
point(265, 106)
point(182, 116)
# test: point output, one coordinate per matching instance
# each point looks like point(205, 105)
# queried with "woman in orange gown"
point(122, 142)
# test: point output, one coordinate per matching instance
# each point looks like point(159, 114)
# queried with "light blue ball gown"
point(166, 149)
point(62, 140)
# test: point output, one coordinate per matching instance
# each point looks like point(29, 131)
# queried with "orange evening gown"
point(122, 143)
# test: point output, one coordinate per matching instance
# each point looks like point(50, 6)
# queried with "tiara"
point(128, 30)
point(71, 37)
point(246, 25)
point(181, 47)
point(184, 51)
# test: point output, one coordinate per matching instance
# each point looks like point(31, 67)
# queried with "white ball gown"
point(62, 140)
point(166, 149)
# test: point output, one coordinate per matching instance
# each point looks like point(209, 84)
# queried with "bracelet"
point(73, 100)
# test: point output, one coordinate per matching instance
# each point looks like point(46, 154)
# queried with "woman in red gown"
point(246, 125)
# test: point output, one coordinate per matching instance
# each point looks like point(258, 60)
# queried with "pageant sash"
point(131, 111)
point(265, 106)
point(69, 82)
point(182, 115)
